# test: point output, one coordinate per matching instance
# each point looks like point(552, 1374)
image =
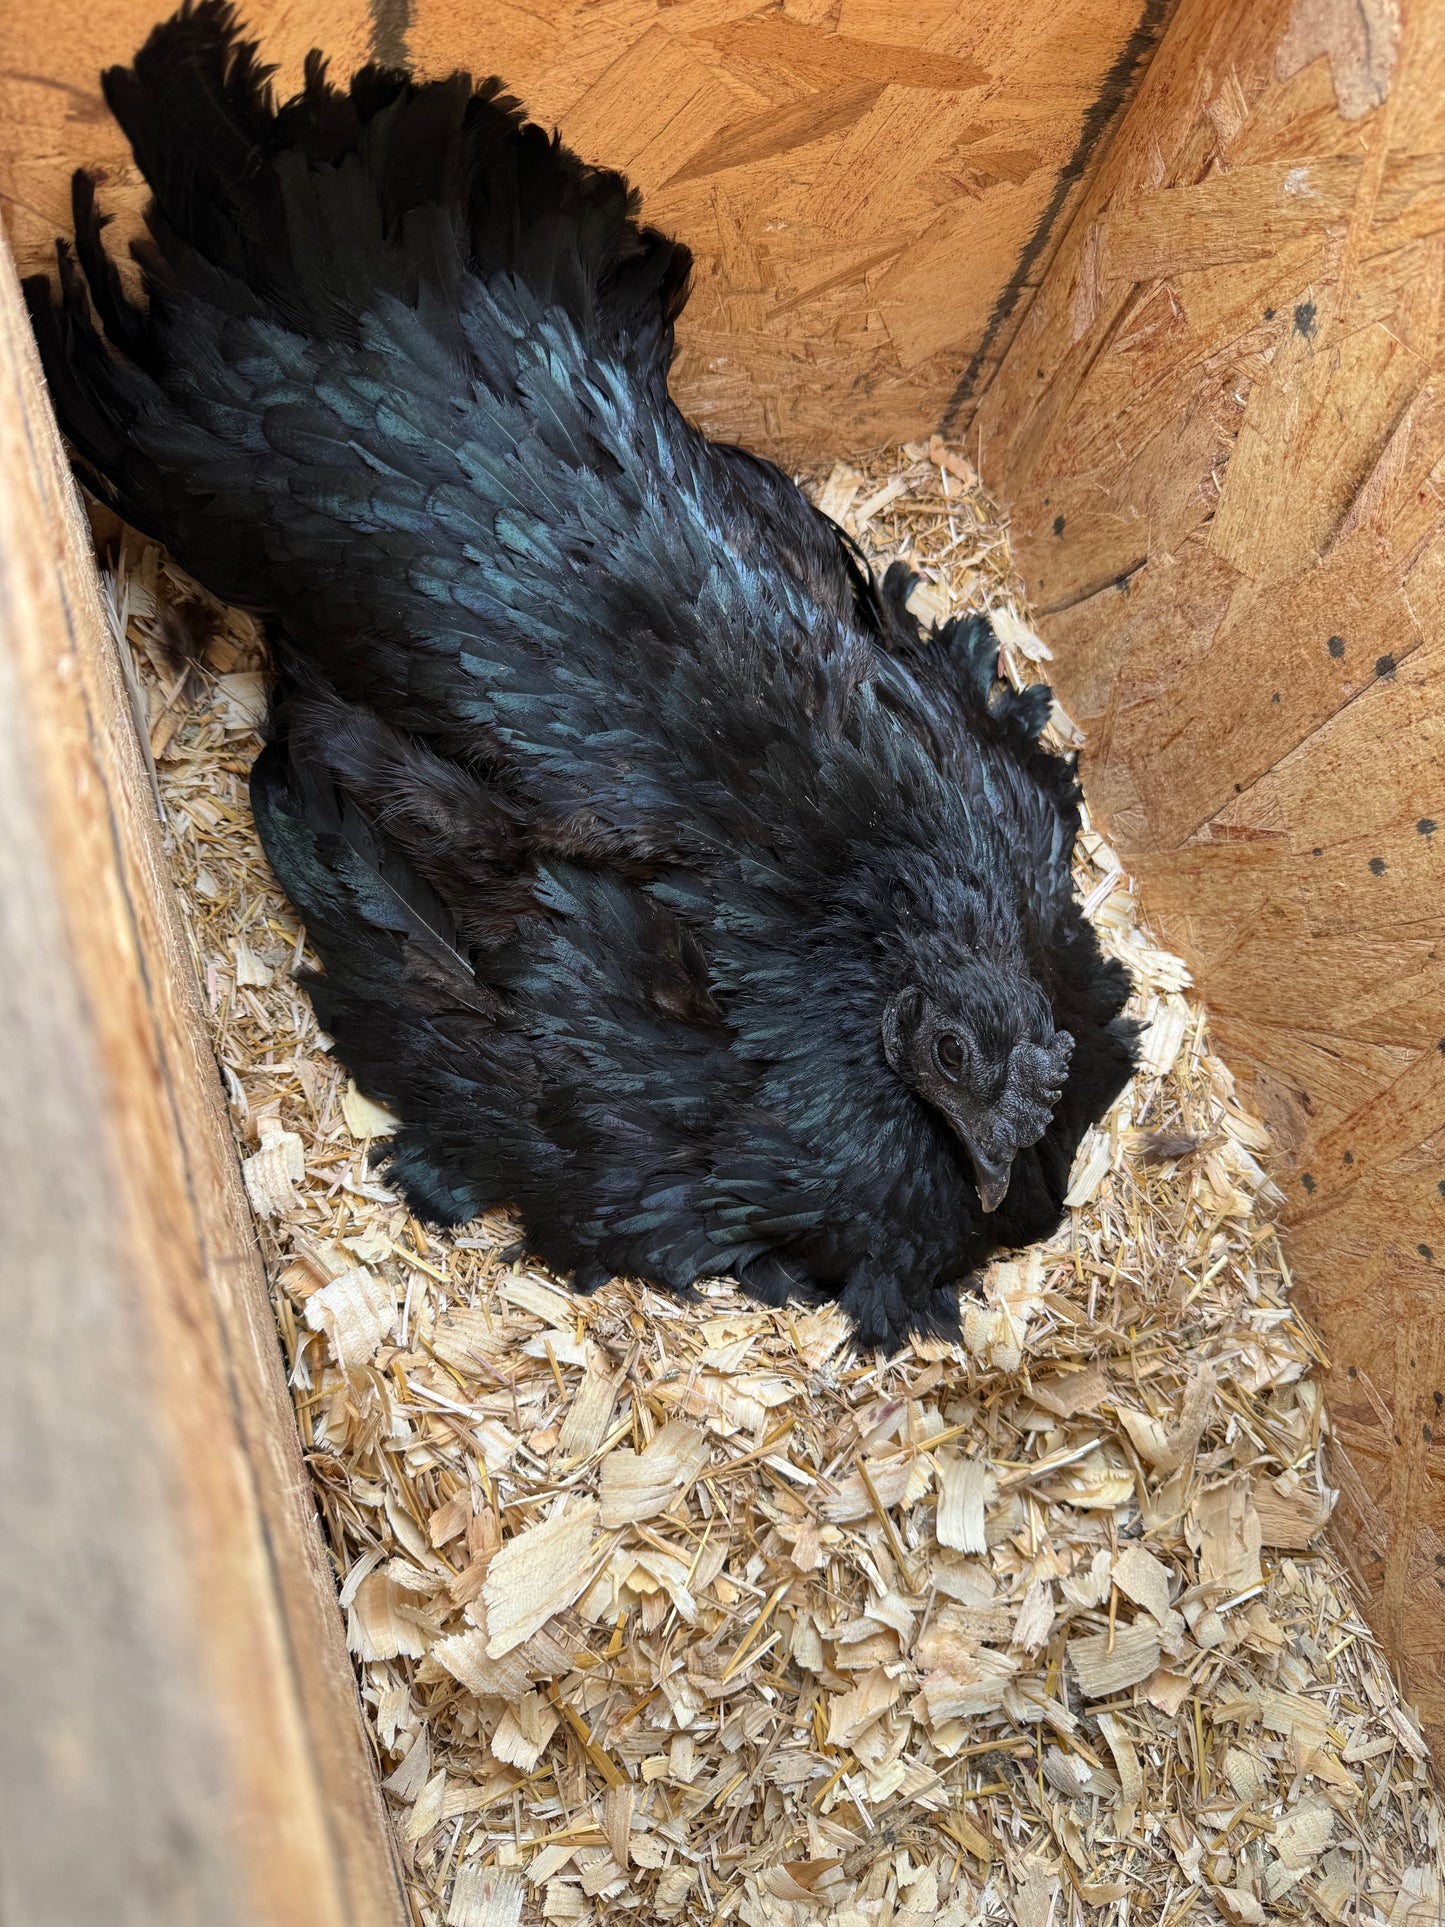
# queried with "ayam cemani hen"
point(670, 885)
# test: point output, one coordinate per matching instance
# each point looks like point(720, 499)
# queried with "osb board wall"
point(1221, 432)
point(872, 190)
point(183, 1741)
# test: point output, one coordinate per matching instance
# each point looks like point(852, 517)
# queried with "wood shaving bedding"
point(685, 1615)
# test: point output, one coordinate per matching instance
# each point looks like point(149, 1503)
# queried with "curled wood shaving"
point(537, 1575)
point(273, 1173)
point(365, 1119)
point(965, 1485)
point(638, 1485)
point(355, 1312)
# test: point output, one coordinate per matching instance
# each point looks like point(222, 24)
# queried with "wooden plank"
point(900, 175)
point(1219, 433)
point(182, 1741)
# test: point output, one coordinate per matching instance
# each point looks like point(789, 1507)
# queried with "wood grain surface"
point(181, 1740)
point(872, 191)
point(1221, 434)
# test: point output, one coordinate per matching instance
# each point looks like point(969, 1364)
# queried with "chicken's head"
point(988, 1058)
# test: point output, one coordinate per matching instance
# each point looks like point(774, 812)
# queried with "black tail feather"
point(225, 167)
point(311, 214)
point(81, 376)
point(125, 323)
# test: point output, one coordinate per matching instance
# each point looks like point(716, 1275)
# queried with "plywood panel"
point(1221, 433)
point(872, 192)
point(182, 1743)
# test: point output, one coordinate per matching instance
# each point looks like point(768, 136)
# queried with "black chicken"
point(670, 885)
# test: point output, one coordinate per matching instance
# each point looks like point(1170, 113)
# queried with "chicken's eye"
point(949, 1052)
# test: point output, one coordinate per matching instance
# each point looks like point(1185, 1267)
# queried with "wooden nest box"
point(1175, 276)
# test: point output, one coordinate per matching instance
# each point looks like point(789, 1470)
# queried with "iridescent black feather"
point(628, 816)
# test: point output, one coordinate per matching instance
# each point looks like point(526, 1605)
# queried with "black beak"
point(991, 1179)
point(991, 1175)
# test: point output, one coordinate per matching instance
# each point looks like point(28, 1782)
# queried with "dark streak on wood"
point(1117, 88)
point(390, 24)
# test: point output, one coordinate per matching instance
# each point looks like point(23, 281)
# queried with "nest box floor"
point(675, 1614)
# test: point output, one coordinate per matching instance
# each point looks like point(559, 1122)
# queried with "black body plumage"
point(669, 884)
